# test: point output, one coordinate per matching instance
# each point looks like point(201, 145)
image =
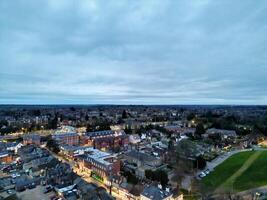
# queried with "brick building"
point(100, 165)
point(32, 139)
point(6, 157)
point(106, 140)
point(67, 138)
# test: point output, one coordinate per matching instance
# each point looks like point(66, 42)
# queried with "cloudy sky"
point(133, 52)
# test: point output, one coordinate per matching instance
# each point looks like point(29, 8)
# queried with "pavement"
point(83, 175)
point(220, 159)
point(247, 194)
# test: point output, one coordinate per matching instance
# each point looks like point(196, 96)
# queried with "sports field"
point(241, 171)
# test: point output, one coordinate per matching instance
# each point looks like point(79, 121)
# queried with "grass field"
point(240, 172)
point(255, 175)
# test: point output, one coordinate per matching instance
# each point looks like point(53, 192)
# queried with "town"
point(129, 152)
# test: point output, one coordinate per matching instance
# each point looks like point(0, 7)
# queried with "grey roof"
point(62, 135)
point(140, 156)
point(153, 192)
point(32, 137)
point(99, 133)
point(221, 131)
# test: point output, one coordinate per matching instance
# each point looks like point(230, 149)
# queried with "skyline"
point(141, 52)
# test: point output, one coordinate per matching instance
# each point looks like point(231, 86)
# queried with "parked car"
point(9, 191)
point(207, 171)
point(201, 175)
point(31, 186)
point(48, 188)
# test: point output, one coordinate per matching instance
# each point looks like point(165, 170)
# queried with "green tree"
point(162, 177)
point(52, 145)
point(200, 163)
point(200, 129)
point(124, 114)
point(190, 116)
point(149, 174)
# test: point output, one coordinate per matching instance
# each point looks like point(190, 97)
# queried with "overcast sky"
point(133, 52)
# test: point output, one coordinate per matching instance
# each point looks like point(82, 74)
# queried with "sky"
point(133, 52)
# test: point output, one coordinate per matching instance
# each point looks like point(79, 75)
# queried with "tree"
point(200, 163)
point(131, 178)
point(158, 175)
point(170, 144)
point(52, 145)
point(124, 114)
point(72, 109)
point(190, 116)
point(127, 130)
point(162, 177)
point(200, 129)
point(52, 124)
point(149, 174)
point(37, 113)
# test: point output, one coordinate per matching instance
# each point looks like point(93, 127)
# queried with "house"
point(138, 162)
point(128, 191)
point(32, 139)
point(100, 165)
point(6, 157)
point(90, 137)
point(60, 174)
point(224, 134)
point(10, 146)
point(71, 138)
point(91, 191)
point(111, 143)
point(134, 139)
point(155, 193)
point(30, 152)
point(141, 158)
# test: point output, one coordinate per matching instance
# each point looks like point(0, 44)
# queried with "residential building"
point(138, 162)
point(224, 134)
point(32, 139)
point(106, 140)
point(6, 157)
point(67, 138)
point(134, 139)
point(100, 165)
point(155, 193)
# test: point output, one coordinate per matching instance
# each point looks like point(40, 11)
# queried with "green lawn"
point(253, 176)
point(222, 172)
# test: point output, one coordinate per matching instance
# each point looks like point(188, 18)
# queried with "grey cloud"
point(155, 52)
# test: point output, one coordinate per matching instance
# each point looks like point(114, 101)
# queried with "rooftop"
point(97, 155)
point(140, 156)
point(155, 193)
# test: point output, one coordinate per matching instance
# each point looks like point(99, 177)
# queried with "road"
point(83, 175)
point(220, 159)
point(249, 193)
